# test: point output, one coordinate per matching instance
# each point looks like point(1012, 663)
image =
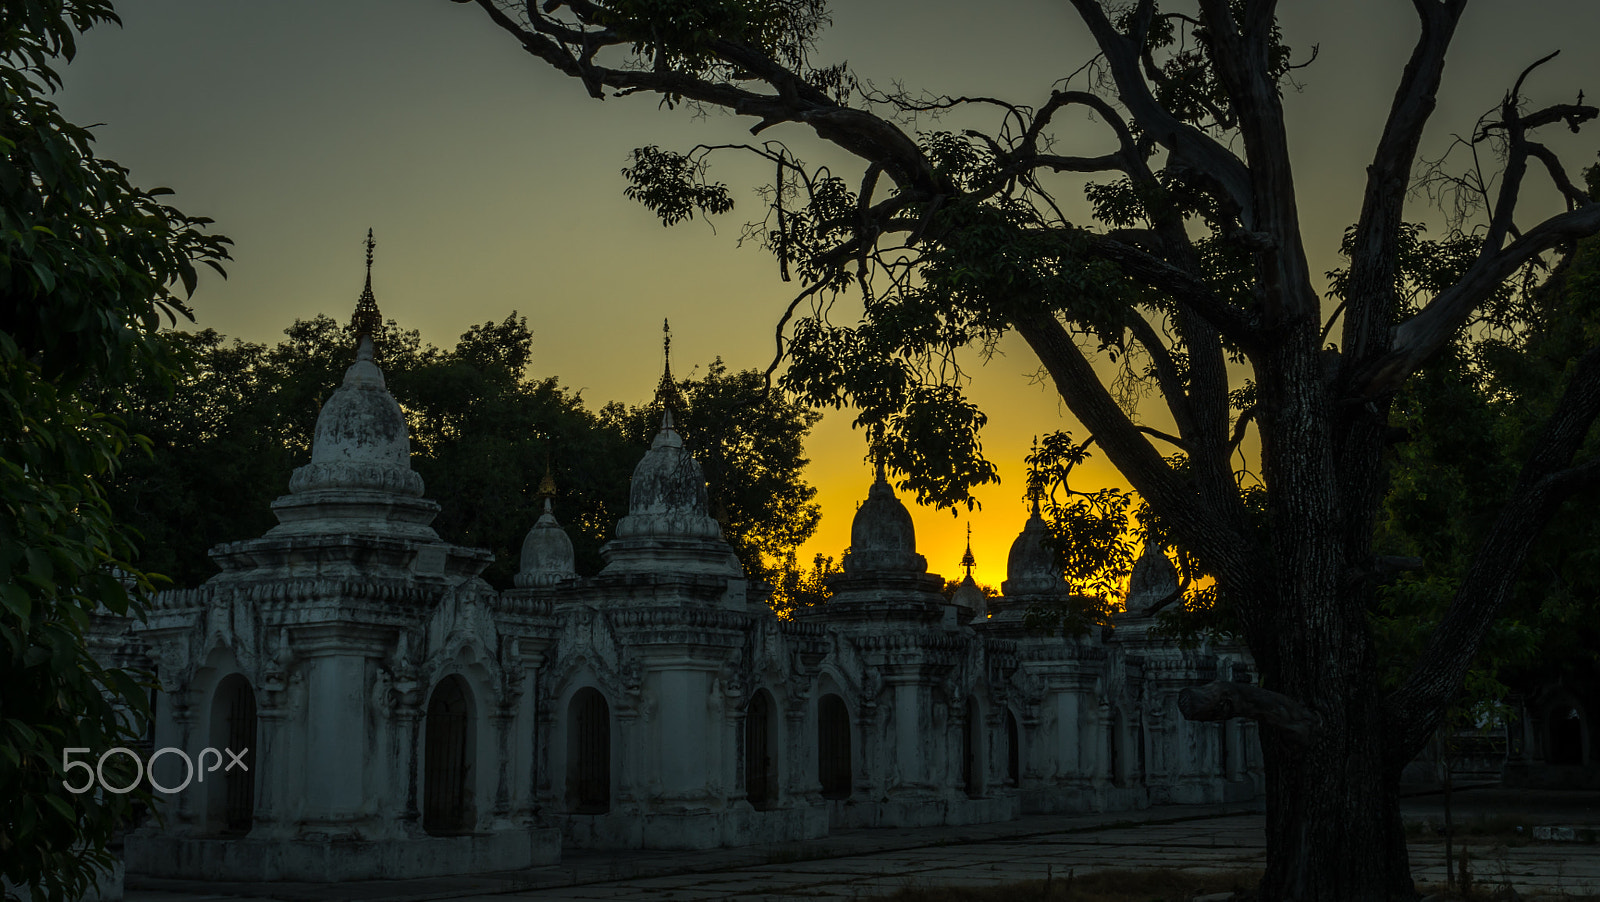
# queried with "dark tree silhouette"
point(228, 433)
point(1196, 260)
point(90, 267)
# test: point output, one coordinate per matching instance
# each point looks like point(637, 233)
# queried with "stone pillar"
point(272, 759)
point(910, 764)
point(800, 764)
point(628, 751)
point(500, 726)
point(1157, 728)
point(1105, 770)
point(182, 736)
point(1070, 759)
point(685, 759)
point(524, 765)
point(407, 730)
point(1232, 736)
point(334, 761)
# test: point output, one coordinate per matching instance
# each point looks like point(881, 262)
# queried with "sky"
point(492, 183)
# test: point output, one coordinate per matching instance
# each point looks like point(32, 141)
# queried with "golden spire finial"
point(667, 391)
point(547, 485)
point(967, 560)
point(1035, 487)
point(366, 321)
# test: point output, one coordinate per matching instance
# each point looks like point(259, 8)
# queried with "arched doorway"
point(447, 804)
point(1566, 736)
point(233, 728)
point(1114, 748)
point(588, 753)
point(971, 767)
point(1013, 751)
point(833, 747)
point(760, 774)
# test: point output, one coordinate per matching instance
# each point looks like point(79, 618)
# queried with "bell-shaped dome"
point(668, 495)
point(882, 538)
point(969, 600)
point(1154, 579)
point(1031, 566)
point(546, 554)
point(359, 481)
point(361, 440)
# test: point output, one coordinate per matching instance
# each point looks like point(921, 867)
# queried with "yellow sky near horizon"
point(492, 182)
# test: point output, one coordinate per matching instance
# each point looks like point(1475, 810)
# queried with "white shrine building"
point(405, 718)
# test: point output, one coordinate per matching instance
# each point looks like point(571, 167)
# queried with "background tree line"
point(226, 435)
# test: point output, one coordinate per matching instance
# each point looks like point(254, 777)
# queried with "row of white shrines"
point(404, 718)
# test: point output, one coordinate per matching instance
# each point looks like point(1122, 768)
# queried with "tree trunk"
point(1333, 815)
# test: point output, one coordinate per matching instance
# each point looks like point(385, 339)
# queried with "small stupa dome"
point(882, 537)
point(361, 440)
point(547, 557)
point(1153, 579)
point(968, 599)
point(668, 497)
point(1031, 565)
point(362, 423)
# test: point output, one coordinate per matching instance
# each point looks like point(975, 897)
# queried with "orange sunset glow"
point(492, 184)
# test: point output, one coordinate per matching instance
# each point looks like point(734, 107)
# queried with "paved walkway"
point(867, 863)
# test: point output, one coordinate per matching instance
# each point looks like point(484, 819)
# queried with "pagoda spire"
point(1035, 487)
point(366, 321)
point(667, 390)
point(547, 485)
point(879, 455)
point(967, 560)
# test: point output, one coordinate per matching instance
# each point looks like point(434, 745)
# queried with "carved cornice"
point(668, 623)
point(281, 592)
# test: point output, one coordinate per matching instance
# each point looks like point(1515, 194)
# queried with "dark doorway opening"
point(833, 747)
point(447, 807)
point(760, 776)
point(589, 753)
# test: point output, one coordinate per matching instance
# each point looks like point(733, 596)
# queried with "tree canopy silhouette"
point(1192, 278)
point(483, 431)
point(90, 266)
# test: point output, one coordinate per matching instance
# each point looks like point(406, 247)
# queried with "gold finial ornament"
point(366, 321)
point(967, 560)
point(1035, 485)
point(667, 391)
point(547, 485)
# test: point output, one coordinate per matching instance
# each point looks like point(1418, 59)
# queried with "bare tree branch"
point(1223, 699)
point(1182, 140)
point(1224, 551)
point(1420, 337)
point(1375, 252)
point(1172, 387)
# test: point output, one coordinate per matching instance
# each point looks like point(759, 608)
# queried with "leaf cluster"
point(89, 265)
point(685, 36)
point(1470, 418)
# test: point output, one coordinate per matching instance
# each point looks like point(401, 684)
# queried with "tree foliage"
point(1470, 417)
point(1192, 286)
point(483, 431)
point(89, 265)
